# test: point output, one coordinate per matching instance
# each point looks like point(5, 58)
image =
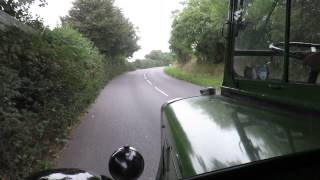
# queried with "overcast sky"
point(153, 19)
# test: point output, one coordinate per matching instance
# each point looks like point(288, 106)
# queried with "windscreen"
point(260, 35)
point(305, 42)
point(259, 24)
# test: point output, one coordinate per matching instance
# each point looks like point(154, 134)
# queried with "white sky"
point(153, 19)
point(53, 11)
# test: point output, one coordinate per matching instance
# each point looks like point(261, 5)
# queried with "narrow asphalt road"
point(127, 112)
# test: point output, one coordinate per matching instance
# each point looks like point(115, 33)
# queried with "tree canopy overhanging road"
point(127, 112)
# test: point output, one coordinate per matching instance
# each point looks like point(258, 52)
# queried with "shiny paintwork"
point(208, 133)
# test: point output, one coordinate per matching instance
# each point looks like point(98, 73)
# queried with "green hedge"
point(148, 63)
point(47, 80)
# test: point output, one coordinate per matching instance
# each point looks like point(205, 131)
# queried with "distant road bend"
point(127, 112)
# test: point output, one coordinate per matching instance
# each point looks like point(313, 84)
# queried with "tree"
point(305, 21)
point(196, 30)
point(158, 55)
point(105, 25)
point(155, 58)
point(19, 9)
point(264, 23)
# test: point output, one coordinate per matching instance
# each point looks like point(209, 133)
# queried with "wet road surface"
point(127, 112)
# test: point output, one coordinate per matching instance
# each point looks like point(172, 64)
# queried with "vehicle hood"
point(209, 133)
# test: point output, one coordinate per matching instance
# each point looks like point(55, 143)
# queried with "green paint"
point(181, 143)
point(212, 133)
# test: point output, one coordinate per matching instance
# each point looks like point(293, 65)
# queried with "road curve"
point(127, 112)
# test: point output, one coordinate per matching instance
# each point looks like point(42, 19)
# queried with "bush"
point(46, 82)
point(156, 58)
point(148, 63)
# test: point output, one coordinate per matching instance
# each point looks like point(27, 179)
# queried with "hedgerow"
point(47, 80)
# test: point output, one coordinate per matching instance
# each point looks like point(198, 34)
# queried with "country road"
point(127, 112)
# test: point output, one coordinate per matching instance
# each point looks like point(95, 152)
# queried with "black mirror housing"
point(126, 164)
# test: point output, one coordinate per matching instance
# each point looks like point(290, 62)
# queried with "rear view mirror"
point(126, 164)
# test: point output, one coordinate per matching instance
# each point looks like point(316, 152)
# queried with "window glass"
point(259, 25)
point(258, 67)
point(305, 42)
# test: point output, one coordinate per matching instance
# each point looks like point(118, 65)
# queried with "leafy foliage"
point(196, 30)
point(20, 10)
point(305, 21)
point(160, 56)
point(265, 23)
point(46, 81)
point(155, 58)
point(104, 24)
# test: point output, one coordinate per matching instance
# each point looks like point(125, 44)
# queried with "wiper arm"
point(273, 7)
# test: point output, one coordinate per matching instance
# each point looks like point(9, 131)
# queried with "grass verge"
point(202, 79)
